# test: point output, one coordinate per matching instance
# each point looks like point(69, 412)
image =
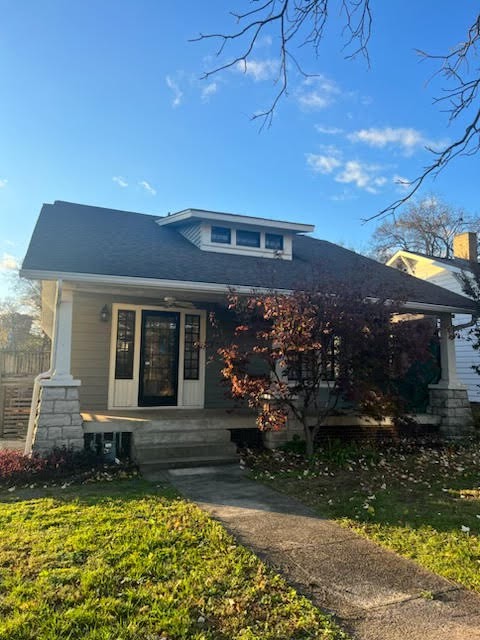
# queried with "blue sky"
point(102, 103)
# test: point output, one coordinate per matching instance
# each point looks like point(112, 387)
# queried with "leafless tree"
point(302, 23)
point(426, 227)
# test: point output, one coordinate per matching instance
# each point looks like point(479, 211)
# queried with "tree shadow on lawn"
point(89, 492)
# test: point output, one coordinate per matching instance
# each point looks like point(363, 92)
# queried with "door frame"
point(176, 365)
point(183, 394)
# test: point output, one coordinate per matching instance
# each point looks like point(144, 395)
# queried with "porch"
point(115, 354)
point(164, 438)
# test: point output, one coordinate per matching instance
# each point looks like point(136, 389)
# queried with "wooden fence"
point(17, 373)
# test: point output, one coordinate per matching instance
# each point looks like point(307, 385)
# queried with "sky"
point(103, 103)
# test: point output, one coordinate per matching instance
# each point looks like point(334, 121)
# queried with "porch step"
point(152, 437)
point(157, 453)
point(151, 468)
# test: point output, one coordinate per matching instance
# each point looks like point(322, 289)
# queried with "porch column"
point(58, 421)
point(449, 398)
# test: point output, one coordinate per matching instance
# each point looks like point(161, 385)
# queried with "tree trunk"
point(309, 440)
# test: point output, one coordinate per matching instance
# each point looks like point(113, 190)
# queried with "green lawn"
point(422, 503)
point(130, 560)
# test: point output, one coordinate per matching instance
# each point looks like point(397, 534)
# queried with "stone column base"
point(453, 408)
point(58, 422)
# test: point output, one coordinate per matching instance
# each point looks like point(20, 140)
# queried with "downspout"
point(45, 375)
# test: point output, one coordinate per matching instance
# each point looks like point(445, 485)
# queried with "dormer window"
point(274, 241)
point(221, 235)
point(248, 238)
point(236, 234)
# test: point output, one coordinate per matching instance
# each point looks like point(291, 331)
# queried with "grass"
point(421, 501)
point(129, 560)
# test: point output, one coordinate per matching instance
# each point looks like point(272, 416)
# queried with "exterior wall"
point(91, 349)
point(192, 232)
point(91, 340)
point(216, 396)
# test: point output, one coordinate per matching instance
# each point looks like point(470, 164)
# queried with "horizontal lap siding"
point(216, 392)
point(91, 349)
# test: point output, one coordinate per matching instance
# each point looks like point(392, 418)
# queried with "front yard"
point(130, 560)
point(422, 502)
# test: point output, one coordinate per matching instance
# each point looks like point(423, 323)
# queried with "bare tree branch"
point(301, 23)
point(289, 19)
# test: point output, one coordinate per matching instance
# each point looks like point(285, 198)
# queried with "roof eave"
point(201, 287)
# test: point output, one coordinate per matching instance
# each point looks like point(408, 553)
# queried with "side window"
point(125, 344)
point(191, 367)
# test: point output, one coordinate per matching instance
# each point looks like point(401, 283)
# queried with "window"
point(125, 345)
point(191, 366)
point(248, 238)
point(304, 366)
point(222, 235)
point(274, 241)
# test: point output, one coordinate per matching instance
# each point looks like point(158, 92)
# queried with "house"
point(126, 299)
point(447, 272)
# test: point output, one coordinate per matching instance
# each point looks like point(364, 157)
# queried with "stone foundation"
point(453, 408)
point(58, 422)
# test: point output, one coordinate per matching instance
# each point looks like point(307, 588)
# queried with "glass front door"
point(159, 359)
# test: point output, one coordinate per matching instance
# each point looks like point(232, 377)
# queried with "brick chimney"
point(465, 246)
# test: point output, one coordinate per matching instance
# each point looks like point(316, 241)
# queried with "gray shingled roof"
point(76, 238)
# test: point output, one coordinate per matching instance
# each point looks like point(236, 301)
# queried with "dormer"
point(237, 234)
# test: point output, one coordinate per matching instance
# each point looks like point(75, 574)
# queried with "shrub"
point(60, 462)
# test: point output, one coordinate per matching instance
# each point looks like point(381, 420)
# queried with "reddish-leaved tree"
point(298, 354)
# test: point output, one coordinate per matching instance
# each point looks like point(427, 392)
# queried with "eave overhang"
point(204, 287)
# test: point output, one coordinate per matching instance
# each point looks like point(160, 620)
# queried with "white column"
point(62, 340)
point(448, 360)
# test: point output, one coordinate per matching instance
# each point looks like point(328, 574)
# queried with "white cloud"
point(363, 176)
point(120, 181)
point(9, 262)
point(329, 131)
point(258, 69)
point(321, 163)
point(3, 182)
point(407, 138)
point(317, 93)
point(208, 91)
point(148, 187)
point(177, 92)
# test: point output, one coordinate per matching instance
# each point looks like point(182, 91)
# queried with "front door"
point(159, 359)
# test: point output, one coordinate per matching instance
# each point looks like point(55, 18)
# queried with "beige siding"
point(91, 349)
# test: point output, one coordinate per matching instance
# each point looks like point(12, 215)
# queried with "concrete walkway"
point(375, 594)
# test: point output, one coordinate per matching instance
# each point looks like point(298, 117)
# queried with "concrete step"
point(179, 436)
point(183, 451)
point(149, 469)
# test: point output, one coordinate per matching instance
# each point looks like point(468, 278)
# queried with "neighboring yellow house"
point(446, 272)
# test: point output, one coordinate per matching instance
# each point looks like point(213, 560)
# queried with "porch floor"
point(131, 420)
